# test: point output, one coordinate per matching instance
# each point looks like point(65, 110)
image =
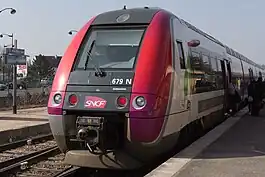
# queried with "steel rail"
point(24, 164)
point(23, 142)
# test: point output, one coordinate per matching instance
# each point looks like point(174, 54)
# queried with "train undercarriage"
point(100, 141)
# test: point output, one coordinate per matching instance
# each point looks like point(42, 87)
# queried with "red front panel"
point(64, 69)
point(152, 80)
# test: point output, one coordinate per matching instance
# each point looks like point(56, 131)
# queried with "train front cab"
point(120, 106)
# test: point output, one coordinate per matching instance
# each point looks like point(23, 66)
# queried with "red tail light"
point(122, 101)
point(73, 99)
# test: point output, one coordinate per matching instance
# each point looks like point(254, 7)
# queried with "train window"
point(195, 60)
point(246, 77)
point(181, 55)
point(112, 48)
point(245, 68)
point(206, 63)
point(203, 79)
point(257, 74)
point(237, 75)
point(229, 51)
point(237, 67)
point(250, 73)
point(219, 66)
point(214, 65)
point(254, 72)
point(219, 74)
point(237, 55)
point(211, 72)
point(233, 52)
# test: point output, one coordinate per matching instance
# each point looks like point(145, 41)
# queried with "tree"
point(40, 68)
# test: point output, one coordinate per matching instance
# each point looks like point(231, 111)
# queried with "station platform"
point(235, 148)
point(27, 122)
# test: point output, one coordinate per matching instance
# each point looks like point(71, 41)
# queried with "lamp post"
point(8, 72)
point(15, 84)
point(9, 45)
point(71, 32)
point(8, 35)
point(3, 64)
point(12, 10)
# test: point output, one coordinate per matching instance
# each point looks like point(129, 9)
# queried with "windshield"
point(113, 48)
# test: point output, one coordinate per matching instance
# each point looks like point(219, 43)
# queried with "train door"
point(229, 75)
point(250, 74)
point(226, 73)
point(181, 78)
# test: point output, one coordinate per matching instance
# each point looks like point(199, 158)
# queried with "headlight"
point(140, 101)
point(57, 98)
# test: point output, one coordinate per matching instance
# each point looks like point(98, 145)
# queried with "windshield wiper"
point(99, 72)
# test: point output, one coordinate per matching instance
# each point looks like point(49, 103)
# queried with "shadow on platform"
point(244, 139)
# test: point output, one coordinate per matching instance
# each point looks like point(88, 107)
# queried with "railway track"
point(44, 162)
point(38, 156)
point(16, 157)
point(16, 151)
point(48, 163)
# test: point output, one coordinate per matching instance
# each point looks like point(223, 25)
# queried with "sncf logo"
point(95, 102)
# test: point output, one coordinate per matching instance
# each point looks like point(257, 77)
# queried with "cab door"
point(181, 77)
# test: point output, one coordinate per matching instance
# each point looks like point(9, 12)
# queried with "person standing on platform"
point(233, 98)
point(251, 90)
point(257, 97)
point(263, 93)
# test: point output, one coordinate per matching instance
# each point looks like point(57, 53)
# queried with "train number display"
point(121, 81)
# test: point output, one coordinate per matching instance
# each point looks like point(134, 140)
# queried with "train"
point(132, 80)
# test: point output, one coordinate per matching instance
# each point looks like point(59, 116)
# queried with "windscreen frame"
point(108, 27)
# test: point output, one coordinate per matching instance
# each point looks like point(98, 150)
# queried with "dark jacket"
point(251, 89)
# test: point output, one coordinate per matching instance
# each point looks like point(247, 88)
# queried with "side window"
point(214, 65)
point(246, 76)
point(251, 73)
point(220, 79)
point(195, 61)
point(214, 72)
point(219, 66)
point(205, 63)
point(181, 55)
point(210, 74)
point(178, 47)
point(204, 80)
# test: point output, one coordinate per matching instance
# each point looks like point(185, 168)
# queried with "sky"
point(41, 26)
